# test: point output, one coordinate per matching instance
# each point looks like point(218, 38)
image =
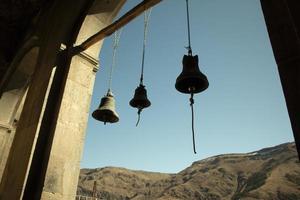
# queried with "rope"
point(116, 41)
point(147, 14)
point(193, 130)
point(189, 48)
point(139, 116)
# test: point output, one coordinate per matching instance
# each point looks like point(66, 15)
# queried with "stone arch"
point(12, 98)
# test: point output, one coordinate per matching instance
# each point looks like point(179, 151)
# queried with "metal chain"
point(147, 14)
point(116, 40)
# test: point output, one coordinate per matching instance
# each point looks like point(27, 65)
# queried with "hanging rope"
point(193, 131)
point(147, 14)
point(139, 116)
point(116, 41)
point(189, 48)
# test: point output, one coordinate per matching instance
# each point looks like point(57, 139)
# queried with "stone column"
point(283, 24)
point(64, 163)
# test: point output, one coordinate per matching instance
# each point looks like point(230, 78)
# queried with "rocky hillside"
point(269, 174)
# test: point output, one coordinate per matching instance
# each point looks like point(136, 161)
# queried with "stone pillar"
point(283, 24)
point(64, 163)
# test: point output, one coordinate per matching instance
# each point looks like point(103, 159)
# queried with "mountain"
point(268, 174)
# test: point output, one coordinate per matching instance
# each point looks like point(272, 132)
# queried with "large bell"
point(191, 79)
point(106, 111)
point(140, 99)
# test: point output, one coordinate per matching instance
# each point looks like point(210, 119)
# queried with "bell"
point(106, 111)
point(191, 80)
point(140, 99)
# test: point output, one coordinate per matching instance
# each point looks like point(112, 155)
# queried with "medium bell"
point(106, 111)
point(140, 99)
point(191, 79)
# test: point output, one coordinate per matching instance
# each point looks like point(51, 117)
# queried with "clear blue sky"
point(242, 110)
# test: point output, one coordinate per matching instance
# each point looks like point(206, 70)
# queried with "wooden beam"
point(122, 21)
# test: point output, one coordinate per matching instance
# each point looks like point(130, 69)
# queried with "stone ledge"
point(6, 126)
point(90, 59)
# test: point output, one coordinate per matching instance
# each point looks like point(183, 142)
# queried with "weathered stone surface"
point(11, 105)
point(64, 163)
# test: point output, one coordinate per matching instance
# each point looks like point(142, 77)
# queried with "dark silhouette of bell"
point(106, 111)
point(191, 80)
point(140, 99)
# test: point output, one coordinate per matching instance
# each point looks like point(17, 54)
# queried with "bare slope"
point(269, 174)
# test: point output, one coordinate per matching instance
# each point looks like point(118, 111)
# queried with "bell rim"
point(136, 105)
point(115, 118)
point(186, 91)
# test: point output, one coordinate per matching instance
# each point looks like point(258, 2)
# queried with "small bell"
point(140, 99)
point(191, 80)
point(106, 111)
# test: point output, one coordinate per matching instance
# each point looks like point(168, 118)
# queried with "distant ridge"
point(268, 174)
